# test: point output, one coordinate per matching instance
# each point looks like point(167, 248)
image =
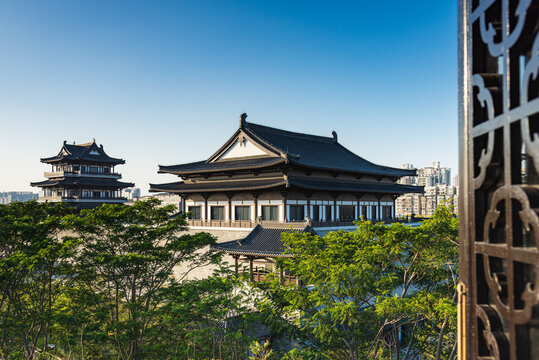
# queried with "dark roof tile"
point(264, 241)
point(83, 181)
point(203, 166)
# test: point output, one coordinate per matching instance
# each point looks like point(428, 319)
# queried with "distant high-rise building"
point(82, 175)
point(12, 196)
point(438, 190)
point(131, 194)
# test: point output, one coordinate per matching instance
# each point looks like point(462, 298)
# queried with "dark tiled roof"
point(246, 185)
point(312, 183)
point(203, 166)
point(82, 181)
point(318, 151)
point(81, 153)
point(263, 241)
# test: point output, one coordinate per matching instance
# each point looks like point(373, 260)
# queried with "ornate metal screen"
point(499, 157)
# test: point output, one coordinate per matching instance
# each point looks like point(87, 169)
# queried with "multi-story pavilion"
point(82, 175)
point(284, 176)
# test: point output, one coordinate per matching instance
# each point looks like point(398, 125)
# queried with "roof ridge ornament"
point(243, 118)
point(335, 139)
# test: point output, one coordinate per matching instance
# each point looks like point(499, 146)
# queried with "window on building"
point(195, 212)
point(347, 212)
point(374, 215)
point(242, 212)
point(316, 212)
point(217, 212)
point(364, 212)
point(296, 213)
point(270, 213)
point(386, 212)
point(328, 212)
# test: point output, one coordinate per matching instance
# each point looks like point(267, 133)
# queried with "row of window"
point(269, 212)
point(84, 168)
point(84, 193)
point(296, 213)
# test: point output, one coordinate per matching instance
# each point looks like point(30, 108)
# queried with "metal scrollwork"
point(493, 334)
point(488, 32)
point(497, 281)
point(530, 73)
point(485, 98)
point(499, 103)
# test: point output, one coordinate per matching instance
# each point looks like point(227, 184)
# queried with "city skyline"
point(161, 85)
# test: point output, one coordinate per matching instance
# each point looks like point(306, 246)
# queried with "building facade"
point(266, 181)
point(82, 175)
point(438, 190)
point(12, 196)
point(282, 176)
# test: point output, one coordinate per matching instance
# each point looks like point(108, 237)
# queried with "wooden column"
point(206, 215)
point(255, 196)
point(379, 211)
point(229, 195)
point(183, 197)
point(236, 263)
point(251, 276)
point(285, 212)
point(358, 207)
point(334, 212)
point(308, 212)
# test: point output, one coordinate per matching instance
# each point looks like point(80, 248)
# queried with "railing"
point(50, 174)
point(75, 198)
point(276, 224)
point(260, 273)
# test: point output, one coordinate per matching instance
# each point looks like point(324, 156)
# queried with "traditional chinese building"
point(82, 175)
point(275, 178)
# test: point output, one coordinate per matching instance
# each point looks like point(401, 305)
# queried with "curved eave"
point(352, 186)
point(391, 172)
point(181, 187)
point(59, 159)
point(82, 183)
point(218, 167)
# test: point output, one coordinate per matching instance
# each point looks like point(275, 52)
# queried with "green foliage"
point(106, 284)
point(364, 287)
point(34, 270)
point(261, 352)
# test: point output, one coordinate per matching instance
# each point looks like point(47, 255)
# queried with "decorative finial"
point(334, 133)
point(93, 140)
point(242, 119)
point(308, 221)
point(101, 146)
point(65, 142)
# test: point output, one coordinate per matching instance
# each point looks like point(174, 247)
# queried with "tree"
point(35, 267)
point(203, 319)
point(127, 256)
point(383, 291)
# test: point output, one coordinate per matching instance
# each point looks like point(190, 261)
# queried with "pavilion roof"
point(303, 150)
point(261, 241)
point(318, 152)
point(88, 152)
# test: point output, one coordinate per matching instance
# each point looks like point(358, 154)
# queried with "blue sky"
point(159, 82)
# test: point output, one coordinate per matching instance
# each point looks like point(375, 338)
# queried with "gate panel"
point(499, 163)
